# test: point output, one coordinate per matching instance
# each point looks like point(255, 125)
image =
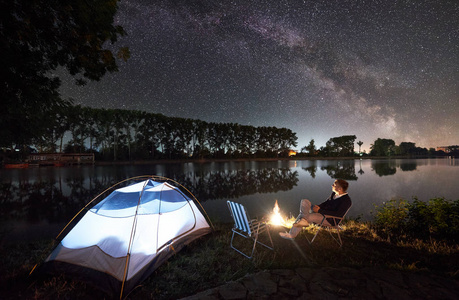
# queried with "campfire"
point(277, 219)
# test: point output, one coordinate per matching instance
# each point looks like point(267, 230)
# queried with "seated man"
point(336, 205)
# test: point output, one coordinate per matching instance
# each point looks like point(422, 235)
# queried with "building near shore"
point(48, 159)
point(448, 149)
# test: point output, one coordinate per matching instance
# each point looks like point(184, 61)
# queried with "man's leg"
point(307, 215)
point(305, 207)
point(317, 218)
point(304, 219)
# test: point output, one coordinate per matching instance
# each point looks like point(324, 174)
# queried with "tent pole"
point(124, 276)
point(131, 239)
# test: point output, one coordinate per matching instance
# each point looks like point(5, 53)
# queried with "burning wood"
point(277, 219)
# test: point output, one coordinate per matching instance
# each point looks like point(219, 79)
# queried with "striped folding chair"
point(247, 228)
point(329, 228)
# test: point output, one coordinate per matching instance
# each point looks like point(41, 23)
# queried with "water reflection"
point(311, 170)
point(344, 169)
point(361, 172)
point(230, 184)
point(56, 199)
point(384, 168)
point(53, 195)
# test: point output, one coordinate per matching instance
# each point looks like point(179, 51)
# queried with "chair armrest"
point(334, 217)
point(257, 221)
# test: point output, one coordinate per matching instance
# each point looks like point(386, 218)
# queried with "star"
point(320, 68)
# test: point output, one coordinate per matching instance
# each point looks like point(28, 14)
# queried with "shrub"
point(438, 218)
point(392, 216)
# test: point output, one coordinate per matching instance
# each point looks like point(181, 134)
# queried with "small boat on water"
point(16, 166)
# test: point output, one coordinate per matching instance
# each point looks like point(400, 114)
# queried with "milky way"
point(374, 69)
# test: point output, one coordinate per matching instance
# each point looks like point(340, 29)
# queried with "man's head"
point(340, 185)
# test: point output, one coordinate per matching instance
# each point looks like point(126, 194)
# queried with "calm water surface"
point(38, 202)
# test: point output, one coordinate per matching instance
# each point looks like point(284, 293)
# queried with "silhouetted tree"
point(37, 37)
point(407, 148)
point(360, 143)
point(341, 146)
point(382, 147)
point(311, 147)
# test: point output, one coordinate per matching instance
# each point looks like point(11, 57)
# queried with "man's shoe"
point(301, 223)
point(286, 236)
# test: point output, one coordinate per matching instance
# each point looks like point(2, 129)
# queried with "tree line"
point(387, 147)
point(117, 134)
point(343, 146)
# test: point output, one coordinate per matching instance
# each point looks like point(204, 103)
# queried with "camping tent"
point(126, 236)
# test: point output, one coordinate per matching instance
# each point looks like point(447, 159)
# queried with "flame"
point(277, 219)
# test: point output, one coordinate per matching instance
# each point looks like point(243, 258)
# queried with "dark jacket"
point(335, 207)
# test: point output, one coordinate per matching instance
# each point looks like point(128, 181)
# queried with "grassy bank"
point(209, 261)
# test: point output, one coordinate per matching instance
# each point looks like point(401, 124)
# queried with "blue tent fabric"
point(165, 200)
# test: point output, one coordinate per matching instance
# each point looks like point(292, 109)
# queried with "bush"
point(438, 218)
point(392, 216)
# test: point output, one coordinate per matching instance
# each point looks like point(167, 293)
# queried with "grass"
point(209, 262)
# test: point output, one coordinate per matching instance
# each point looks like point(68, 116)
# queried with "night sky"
point(374, 69)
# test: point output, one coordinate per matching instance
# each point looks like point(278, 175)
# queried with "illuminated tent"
point(121, 240)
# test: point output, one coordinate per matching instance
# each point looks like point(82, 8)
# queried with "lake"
point(38, 202)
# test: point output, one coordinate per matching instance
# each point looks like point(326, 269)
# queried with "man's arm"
point(316, 208)
point(339, 208)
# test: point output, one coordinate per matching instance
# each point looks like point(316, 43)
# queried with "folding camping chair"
point(329, 228)
point(247, 228)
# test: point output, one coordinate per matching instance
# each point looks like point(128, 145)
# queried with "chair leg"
point(315, 235)
point(338, 240)
point(237, 250)
point(255, 241)
point(270, 239)
point(257, 234)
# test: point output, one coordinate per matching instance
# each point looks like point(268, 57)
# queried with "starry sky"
point(374, 68)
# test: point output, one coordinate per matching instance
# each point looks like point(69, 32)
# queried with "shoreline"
point(207, 160)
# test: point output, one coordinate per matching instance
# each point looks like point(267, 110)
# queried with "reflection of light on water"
point(277, 219)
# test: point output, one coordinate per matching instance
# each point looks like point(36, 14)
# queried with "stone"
point(283, 273)
point(318, 291)
point(211, 294)
point(392, 276)
point(260, 284)
point(392, 291)
point(233, 291)
point(305, 273)
point(289, 292)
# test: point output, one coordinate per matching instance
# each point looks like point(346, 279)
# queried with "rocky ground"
point(334, 283)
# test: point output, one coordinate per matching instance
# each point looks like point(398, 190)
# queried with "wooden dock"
point(60, 159)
